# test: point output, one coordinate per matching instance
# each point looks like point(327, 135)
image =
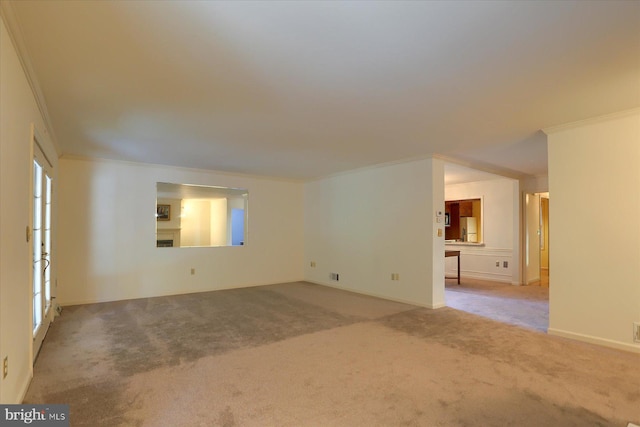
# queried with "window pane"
point(37, 278)
point(37, 246)
point(37, 179)
point(37, 311)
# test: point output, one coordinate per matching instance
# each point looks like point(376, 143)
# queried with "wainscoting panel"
point(479, 262)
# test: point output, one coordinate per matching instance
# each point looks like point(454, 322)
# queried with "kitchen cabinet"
point(465, 220)
point(466, 208)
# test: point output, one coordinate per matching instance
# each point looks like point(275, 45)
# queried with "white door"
point(41, 248)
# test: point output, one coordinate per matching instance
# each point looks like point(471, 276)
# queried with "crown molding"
point(485, 167)
point(15, 33)
point(134, 163)
point(590, 121)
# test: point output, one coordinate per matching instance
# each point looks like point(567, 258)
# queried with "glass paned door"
point(41, 245)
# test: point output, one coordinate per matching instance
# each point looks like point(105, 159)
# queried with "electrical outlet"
point(395, 276)
point(334, 276)
point(505, 264)
point(313, 263)
point(5, 367)
point(497, 263)
point(193, 271)
point(636, 331)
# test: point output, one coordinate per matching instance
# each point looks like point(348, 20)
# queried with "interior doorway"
point(537, 242)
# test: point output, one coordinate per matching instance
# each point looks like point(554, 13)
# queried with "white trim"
point(15, 33)
point(180, 168)
point(372, 167)
point(25, 386)
point(483, 251)
point(481, 275)
point(484, 167)
point(182, 292)
point(372, 294)
point(36, 138)
point(590, 121)
point(634, 348)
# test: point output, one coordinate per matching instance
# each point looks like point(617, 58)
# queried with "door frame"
point(526, 278)
point(37, 152)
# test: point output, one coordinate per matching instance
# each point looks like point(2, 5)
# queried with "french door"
point(41, 247)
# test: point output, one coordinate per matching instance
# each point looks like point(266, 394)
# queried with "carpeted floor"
point(526, 306)
point(299, 354)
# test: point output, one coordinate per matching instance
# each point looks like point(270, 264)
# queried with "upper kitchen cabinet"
point(464, 222)
point(466, 208)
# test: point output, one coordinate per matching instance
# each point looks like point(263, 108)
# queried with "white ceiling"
point(307, 89)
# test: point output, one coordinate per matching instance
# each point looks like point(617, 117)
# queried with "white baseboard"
point(25, 388)
point(372, 294)
point(494, 277)
point(635, 348)
point(182, 292)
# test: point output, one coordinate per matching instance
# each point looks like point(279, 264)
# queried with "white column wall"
point(368, 224)
point(594, 180)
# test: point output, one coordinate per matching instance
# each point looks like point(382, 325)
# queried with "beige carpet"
point(526, 306)
point(305, 355)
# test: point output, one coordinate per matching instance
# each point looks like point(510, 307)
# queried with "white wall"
point(595, 256)
point(500, 235)
point(18, 111)
point(367, 224)
point(107, 234)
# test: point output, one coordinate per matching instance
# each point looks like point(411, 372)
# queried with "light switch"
point(439, 232)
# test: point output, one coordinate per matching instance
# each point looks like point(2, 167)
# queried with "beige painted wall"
point(19, 110)
point(110, 254)
point(595, 275)
point(367, 224)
